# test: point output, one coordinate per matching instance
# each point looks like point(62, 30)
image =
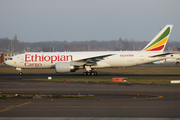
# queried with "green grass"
point(19, 96)
point(143, 69)
point(136, 70)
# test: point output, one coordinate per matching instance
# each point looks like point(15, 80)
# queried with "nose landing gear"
point(20, 73)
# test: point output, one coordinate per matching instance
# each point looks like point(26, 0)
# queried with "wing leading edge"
point(90, 60)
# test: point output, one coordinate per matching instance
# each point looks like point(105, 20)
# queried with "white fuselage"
point(49, 59)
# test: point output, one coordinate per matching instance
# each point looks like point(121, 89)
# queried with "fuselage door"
point(21, 59)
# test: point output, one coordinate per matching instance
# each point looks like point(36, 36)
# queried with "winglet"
point(158, 43)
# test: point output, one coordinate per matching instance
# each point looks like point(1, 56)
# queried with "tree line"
point(6, 45)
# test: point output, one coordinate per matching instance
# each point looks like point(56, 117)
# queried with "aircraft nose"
point(6, 62)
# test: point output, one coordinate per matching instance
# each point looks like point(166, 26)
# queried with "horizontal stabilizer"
point(161, 55)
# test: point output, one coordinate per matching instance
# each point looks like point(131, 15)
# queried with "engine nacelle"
point(64, 67)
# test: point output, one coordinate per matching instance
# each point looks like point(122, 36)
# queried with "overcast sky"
point(84, 20)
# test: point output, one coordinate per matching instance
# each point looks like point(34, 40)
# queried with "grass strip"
point(143, 69)
point(40, 96)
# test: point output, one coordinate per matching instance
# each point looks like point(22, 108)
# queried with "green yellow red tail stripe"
point(159, 42)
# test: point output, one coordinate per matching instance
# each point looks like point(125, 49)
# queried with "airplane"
point(175, 60)
point(72, 61)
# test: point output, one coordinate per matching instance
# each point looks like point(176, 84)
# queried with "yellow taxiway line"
point(15, 106)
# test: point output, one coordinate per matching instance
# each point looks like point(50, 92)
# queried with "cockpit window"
point(10, 59)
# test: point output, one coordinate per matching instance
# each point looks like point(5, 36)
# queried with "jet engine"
point(64, 67)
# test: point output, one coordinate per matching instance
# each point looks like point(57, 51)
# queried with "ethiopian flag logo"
point(159, 42)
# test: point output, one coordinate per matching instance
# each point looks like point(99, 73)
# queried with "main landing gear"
point(90, 73)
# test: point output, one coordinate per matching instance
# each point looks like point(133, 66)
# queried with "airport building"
point(6, 55)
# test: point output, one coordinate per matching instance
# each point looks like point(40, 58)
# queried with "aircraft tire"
point(88, 73)
point(92, 73)
point(20, 73)
point(95, 73)
point(84, 73)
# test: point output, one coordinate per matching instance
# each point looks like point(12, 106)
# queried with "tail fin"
point(159, 42)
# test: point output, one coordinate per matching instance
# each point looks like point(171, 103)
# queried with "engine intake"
point(64, 67)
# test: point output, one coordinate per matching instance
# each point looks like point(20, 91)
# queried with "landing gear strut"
point(90, 73)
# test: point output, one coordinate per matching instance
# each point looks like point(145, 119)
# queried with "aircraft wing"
point(90, 60)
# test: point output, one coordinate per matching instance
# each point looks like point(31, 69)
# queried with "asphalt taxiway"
point(112, 100)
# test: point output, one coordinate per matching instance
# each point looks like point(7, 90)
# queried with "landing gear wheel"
point(93, 73)
point(90, 73)
point(84, 73)
point(20, 73)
